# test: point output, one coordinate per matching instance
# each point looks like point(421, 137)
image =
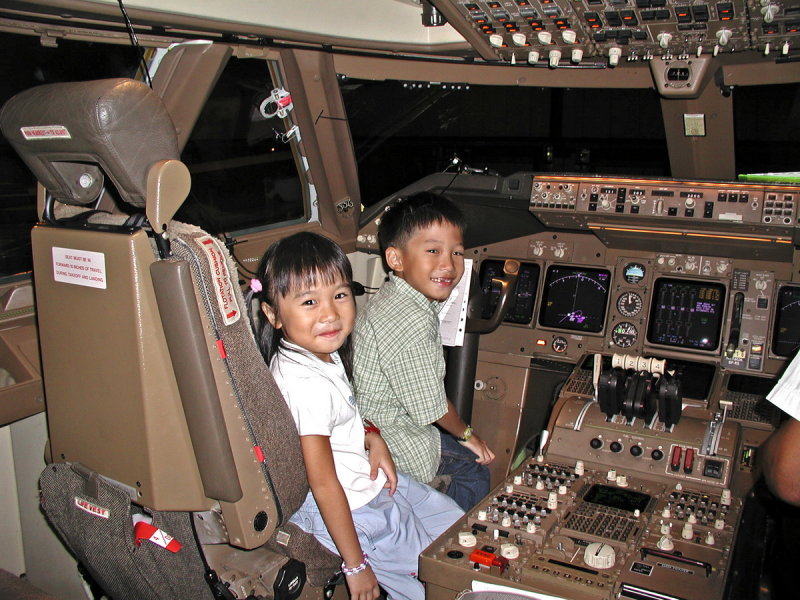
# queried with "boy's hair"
point(418, 211)
point(298, 261)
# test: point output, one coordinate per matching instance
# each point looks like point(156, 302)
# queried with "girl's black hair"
point(301, 260)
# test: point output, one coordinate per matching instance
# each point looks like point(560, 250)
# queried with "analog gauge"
point(629, 304)
point(560, 344)
point(633, 272)
point(624, 334)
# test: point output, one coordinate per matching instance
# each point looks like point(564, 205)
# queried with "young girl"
point(376, 519)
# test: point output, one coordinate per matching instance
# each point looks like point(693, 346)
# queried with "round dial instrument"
point(624, 334)
point(629, 304)
point(633, 272)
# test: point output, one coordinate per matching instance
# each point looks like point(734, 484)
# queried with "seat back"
point(154, 384)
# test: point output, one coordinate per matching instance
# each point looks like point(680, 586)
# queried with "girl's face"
point(317, 318)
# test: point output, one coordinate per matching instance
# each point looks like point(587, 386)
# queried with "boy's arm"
point(454, 425)
point(335, 511)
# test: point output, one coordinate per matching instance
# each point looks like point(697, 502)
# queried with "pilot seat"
point(173, 461)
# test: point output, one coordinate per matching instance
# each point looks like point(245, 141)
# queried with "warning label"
point(79, 267)
point(45, 132)
point(223, 289)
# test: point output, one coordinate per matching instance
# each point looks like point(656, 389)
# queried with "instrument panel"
point(647, 323)
point(564, 32)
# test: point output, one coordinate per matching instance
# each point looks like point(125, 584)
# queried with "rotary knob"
point(544, 37)
point(568, 36)
point(665, 543)
point(613, 56)
point(533, 57)
point(519, 39)
point(553, 58)
point(496, 40)
point(724, 36)
point(599, 555)
point(664, 38)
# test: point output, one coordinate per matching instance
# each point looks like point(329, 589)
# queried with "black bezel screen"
point(618, 498)
point(575, 298)
point(786, 333)
point(523, 296)
point(686, 314)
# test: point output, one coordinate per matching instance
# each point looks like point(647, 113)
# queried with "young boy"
point(399, 364)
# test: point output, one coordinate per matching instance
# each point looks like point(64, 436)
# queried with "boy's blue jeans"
point(470, 480)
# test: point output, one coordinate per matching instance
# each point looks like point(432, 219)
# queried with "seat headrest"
point(70, 134)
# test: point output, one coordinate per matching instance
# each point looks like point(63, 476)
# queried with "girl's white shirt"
point(321, 401)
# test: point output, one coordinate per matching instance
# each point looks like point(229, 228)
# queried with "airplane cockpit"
point(627, 171)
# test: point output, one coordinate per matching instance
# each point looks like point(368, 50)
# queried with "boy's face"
point(432, 261)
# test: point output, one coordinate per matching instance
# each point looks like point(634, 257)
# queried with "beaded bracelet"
point(357, 569)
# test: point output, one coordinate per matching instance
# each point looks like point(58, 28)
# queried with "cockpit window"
point(244, 175)
point(403, 131)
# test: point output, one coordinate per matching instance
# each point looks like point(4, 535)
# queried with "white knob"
point(496, 534)
point(517, 479)
point(496, 40)
point(710, 538)
point(509, 489)
point(613, 56)
point(665, 528)
point(558, 252)
point(562, 489)
point(482, 515)
point(579, 468)
point(479, 385)
point(719, 524)
point(466, 539)
point(506, 522)
point(568, 36)
point(539, 484)
point(554, 57)
point(766, 49)
point(519, 39)
point(769, 12)
point(622, 480)
point(785, 48)
point(691, 519)
point(666, 513)
point(577, 55)
point(611, 475)
point(533, 57)
point(605, 204)
point(509, 551)
point(724, 36)
point(530, 527)
point(599, 555)
point(716, 50)
point(687, 532)
point(513, 58)
point(678, 486)
point(699, 51)
point(725, 497)
point(544, 37)
point(665, 543)
point(552, 500)
point(664, 38)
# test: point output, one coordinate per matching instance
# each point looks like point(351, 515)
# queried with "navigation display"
point(575, 298)
point(687, 314)
point(786, 335)
point(523, 296)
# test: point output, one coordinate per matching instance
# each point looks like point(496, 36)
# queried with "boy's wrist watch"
point(467, 435)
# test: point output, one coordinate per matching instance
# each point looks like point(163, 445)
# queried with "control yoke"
point(505, 286)
point(463, 360)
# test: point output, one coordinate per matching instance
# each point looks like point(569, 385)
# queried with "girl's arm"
point(335, 511)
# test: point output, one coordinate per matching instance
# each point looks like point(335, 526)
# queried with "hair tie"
point(255, 285)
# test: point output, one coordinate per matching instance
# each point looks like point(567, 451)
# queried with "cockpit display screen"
point(523, 296)
point(786, 335)
point(614, 497)
point(575, 298)
point(686, 314)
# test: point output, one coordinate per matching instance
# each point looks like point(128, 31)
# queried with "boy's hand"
point(381, 458)
point(479, 447)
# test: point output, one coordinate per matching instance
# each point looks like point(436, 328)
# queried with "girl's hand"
point(381, 458)
point(363, 586)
